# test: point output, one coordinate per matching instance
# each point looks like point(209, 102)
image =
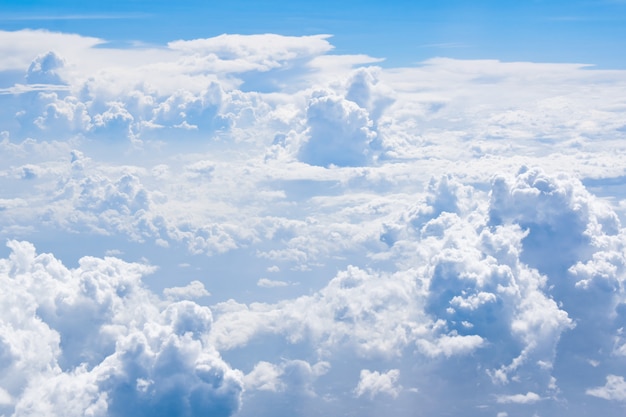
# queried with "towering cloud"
point(340, 132)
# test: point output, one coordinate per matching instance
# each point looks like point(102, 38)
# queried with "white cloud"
point(22, 46)
point(195, 289)
point(393, 196)
point(239, 53)
point(95, 341)
point(5, 397)
point(269, 283)
point(528, 398)
point(292, 375)
point(614, 389)
point(264, 377)
point(340, 132)
point(473, 301)
point(44, 69)
point(375, 383)
point(450, 345)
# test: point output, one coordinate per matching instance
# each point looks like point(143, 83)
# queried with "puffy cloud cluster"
point(374, 383)
point(340, 132)
point(293, 375)
point(44, 69)
point(463, 287)
point(366, 233)
point(93, 341)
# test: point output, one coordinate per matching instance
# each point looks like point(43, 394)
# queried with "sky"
point(308, 209)
point(402, 32)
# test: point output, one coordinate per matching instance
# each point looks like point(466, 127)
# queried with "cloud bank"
point(257, 225)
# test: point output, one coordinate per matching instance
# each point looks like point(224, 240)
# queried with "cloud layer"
point(260, 226)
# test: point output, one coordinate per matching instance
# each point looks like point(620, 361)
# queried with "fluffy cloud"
point(340, 132)
point(614, 389)
point(394, 197)
point(293, 375)
point(44, 69)
point(94, 341)
point(374, 383)
point(241, 53)
point(195, 289)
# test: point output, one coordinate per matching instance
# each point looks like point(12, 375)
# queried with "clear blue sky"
point(404, 32)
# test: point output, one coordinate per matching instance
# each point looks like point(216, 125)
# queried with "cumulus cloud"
point(374, 315)
point(434, 225)
point(292, 375)
point(94, 341)
point(44, 69)
point(340, 132)
point(242, 53)
point(614, 389)
point(264, 377)
point(195, 289)
point(375, 383)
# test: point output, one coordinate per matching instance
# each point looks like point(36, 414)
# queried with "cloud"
point(100, 343)
point(528, 398)
point(268, 283)
point(375, 383)
point(613, 390)
point(44, 69)
point(5, 397)
point(240, 53)
point(293, 375)
point(195, 289)
point(340, 132)
point(459, 221)
point(24, 45)
point(264, 377)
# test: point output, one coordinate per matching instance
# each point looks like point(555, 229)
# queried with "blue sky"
point(591, 32)
point(308, 209)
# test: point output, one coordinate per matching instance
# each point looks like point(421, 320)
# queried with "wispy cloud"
point(27, 88)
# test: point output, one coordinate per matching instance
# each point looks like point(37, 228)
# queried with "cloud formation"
point(614, 389)
point(454, 228)
point(94, 341)
point(374, 383)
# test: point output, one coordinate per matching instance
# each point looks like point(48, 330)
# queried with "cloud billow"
point(340, 132)
point(328, 236)
point(101, 344)
point(45, 69)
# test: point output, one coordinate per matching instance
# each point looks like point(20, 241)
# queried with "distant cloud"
point(195, 289)
point(375, 383)
point(528, 398)
point(268, 283)
point(294, 375)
